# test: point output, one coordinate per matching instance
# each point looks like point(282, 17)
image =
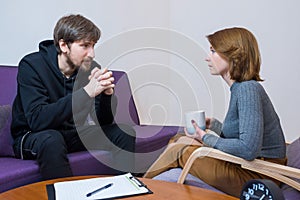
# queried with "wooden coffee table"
point(160, 189)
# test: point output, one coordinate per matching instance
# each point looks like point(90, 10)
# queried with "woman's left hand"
point(199, 133)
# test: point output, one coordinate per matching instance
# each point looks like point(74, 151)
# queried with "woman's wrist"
point(200, 136)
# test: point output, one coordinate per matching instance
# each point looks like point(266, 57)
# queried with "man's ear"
point(63, 46)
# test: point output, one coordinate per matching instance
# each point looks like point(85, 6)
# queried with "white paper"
point(123, 185)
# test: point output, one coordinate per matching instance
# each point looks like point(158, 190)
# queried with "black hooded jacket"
point(46, 99)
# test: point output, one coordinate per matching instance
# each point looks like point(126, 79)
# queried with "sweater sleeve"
point(105, 106)
point(216, 126)
point(249, 126)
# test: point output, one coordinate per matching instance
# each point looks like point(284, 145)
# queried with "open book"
point(97, 188)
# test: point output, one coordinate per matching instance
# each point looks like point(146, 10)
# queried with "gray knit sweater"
point(251, 127)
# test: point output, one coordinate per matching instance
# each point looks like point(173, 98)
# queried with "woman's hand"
point(199, 133)
point(208, 122)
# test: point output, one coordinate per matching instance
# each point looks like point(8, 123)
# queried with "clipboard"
point(122, 186)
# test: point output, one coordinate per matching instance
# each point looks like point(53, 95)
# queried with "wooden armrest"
point(276, 171)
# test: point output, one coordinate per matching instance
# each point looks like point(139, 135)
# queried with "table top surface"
point(160, 189)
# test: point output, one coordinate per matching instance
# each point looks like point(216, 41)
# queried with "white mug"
point(198, 117)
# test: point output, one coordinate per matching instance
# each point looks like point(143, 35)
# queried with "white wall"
point(162, 45)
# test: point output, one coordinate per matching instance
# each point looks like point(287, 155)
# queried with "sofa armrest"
point(151, 141)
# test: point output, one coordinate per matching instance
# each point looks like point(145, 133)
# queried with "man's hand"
point(100, 81)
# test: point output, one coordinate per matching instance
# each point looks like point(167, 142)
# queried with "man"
point(65, 102)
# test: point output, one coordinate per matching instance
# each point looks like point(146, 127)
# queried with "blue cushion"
point(293, 157)
point(6, 140)
point(172, 175)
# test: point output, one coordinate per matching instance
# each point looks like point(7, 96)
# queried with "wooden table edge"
point(192, 192)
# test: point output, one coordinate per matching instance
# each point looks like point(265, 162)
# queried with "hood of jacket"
point(50, 55)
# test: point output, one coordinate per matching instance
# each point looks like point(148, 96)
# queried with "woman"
point(251, 128)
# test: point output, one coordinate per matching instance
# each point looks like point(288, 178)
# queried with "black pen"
point(98, 190)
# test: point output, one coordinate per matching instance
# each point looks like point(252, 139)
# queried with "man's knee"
point(52, 155)
point(51, 140)
point(126, 130)
point(125, 136)
point(43, 143)
point(51, 137)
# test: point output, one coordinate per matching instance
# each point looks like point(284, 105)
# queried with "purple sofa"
point(14, 172)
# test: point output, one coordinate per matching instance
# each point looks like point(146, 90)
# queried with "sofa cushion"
point(16, 172)
point(6, 140)
point(8, 84)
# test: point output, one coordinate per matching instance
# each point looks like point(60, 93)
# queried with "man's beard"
point(85, 65)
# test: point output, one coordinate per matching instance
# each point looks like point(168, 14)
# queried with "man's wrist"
point(109, 91)
point(87, 91)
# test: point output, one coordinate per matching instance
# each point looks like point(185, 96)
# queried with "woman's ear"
point(63, 46)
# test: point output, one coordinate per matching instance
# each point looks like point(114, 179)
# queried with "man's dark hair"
point(73, 28)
